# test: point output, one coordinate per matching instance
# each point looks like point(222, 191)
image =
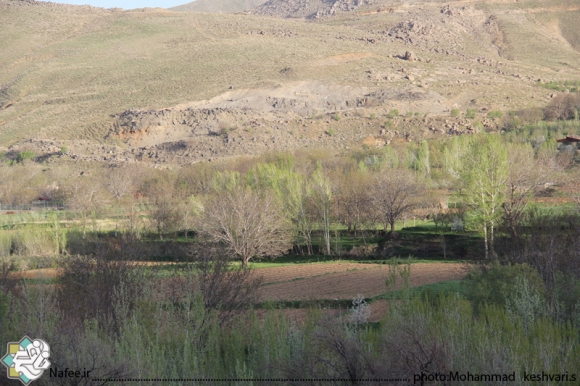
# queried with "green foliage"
point(453, 153)
point(505, 286)
point(372, 116)
point(484, 175)
point(568, 85)
point(567, 298)
point(393, 113)
point(454, 113)
point(4, 307)
point(471, 113)
point(409, 114)
point(390, 158)
point(26, 155)
point(331, 132)
point(423, 159)
point(64, 149)
point(151, 324)
point(495, 114)
point(336, 117)
point(32, 240)
point(227, 181)
point(362, 167)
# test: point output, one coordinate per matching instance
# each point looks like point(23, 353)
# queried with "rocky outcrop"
point(309, 9)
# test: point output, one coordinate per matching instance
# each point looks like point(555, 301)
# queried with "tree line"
point(281, 201)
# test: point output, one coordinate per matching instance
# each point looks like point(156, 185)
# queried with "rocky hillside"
point(308, 9)
point(160, 86)
point(218, 6)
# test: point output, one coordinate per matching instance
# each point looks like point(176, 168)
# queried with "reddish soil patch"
point(42, 273)
point(346, 280)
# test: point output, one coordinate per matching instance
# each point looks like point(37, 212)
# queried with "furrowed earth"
point(328, 282)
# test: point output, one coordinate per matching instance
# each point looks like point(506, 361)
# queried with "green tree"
point(290, 190)
point(484, 175)
point(423, 159)
point(322, 199)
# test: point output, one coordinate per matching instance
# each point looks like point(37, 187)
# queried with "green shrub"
point(393, 113)
point(495, 284)
point(495, 114)
point(331, 132)
point(336, 117)
point(567, 293)
point(454, 113)
point(471, 113)
point(64, 149)
point(26, 155)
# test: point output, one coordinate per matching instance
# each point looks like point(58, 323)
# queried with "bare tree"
point(248, 224)
point(85, 195)
point(121, 182)
point(352, 204)
point(18, 185)
point(562, 106)
point(525, 177)
point(395, 193)
point(163, 196)
point(226, 290)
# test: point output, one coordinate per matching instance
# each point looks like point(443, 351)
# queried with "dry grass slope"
point(218, 6)
point(68, 72)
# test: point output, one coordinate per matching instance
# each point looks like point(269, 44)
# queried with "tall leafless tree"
point(525, 176)
point(248, 224)
point(85, 195)
point(395, 193)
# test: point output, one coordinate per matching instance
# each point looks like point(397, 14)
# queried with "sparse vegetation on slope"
point(77, 77)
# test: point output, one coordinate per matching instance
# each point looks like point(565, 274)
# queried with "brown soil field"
point(318, 281)
point(346, 280)
point(323, 280)
point(42, 273)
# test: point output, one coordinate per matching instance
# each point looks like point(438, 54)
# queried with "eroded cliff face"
point(309, 9)
point(254, 111)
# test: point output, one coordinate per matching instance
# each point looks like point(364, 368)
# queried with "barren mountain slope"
point(309, 9)
point(219, 6)
point(177, 87)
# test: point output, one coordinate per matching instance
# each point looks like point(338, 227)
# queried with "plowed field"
point(346, 280)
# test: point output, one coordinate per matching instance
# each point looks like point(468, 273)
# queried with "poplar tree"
point(423, 159)
point(322, 198)
point(484, 176)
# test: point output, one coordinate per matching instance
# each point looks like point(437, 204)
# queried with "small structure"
point(570, 139)
point(569, 143)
